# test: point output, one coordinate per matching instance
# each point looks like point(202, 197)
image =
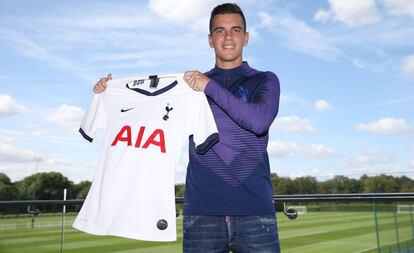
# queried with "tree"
point(44, 186)
point(405, 184)
point(5, 179)
point(380, 184)
point(285, 186)
point(81, 190)
point(179, 190)
point(8, 192)
point(306, 185)
point(288, 186)
point(340, 184)
point(275, 180)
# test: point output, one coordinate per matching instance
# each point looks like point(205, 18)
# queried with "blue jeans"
point(222, 234)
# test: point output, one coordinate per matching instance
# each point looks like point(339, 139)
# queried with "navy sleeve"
point(254, 116)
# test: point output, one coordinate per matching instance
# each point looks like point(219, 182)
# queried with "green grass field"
point(335, 232)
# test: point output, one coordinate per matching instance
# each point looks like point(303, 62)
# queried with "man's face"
point(228, 39)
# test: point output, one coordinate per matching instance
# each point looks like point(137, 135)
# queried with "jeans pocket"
point(266, 219)
point(190, 219)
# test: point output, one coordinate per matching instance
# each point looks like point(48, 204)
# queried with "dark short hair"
point(227, 8)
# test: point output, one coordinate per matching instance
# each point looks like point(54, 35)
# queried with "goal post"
point(299, 209)
point(405, 208)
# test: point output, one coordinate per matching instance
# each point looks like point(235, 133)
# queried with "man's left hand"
point(196, 80)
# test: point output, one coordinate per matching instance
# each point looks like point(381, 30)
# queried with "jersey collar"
point(243, 70)
point(156, 92)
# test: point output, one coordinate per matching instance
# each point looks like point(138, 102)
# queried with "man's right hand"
point(100, 86)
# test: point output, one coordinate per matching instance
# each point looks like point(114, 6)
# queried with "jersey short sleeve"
point(204, 129)
point(94, 118)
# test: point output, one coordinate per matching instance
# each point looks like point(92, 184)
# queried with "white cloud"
point(190, 13)
point(265, 19)
point(408, 65)
point(371, 162)
point(320, 174)
point(66, 116)
point(351, 12)
point(299, 36)
point(277, 148)
point(293, 124)
point(386, 126)
point(358, 63)
point(38, 134)
point(10, 107)
point(411, 164)
point(400, 7)
point(321, 151)
point(18, 162)
point(9, 139)
point(104, 19)
point(179, 11)
point(105, 33)
point(373, 158)
point(357, 169)
point(366, 65)
point(322, 105)
point(10, 153)
point(57, 162)
point(298, 174)
point(26, 47)
point(322, 15)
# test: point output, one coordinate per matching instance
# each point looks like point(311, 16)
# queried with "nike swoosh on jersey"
point(125, 110)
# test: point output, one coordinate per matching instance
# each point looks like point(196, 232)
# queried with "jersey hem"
point(198, 212)
point(207, 144)
point(95, 231)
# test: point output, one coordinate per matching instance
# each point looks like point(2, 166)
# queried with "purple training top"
point(233, 177)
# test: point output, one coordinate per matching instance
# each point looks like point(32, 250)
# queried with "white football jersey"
point(132, 193)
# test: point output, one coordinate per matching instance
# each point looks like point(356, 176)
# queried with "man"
point(228, 203)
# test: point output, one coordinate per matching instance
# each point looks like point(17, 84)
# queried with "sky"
point(346, 70)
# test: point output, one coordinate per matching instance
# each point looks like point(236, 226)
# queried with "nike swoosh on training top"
point(125, 110)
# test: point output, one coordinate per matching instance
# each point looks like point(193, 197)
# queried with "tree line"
point(50, 186)
point(40, 186)
point(338, 184)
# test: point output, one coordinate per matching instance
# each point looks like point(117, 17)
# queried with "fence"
point(376, 222)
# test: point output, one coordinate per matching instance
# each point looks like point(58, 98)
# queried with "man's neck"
point(229, 65)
